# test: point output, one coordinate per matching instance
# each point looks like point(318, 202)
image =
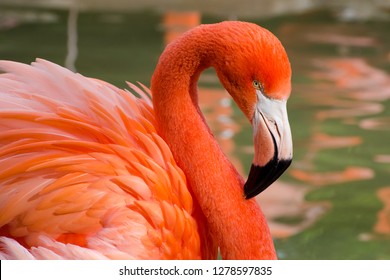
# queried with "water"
point(334, 201)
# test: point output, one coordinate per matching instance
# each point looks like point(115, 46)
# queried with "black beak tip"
point(261, 177)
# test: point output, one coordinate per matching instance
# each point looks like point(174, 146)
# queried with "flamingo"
point(90, 171)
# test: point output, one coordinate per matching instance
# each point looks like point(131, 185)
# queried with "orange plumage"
point(89, 171)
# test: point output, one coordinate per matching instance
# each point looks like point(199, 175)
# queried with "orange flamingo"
point(89, 171)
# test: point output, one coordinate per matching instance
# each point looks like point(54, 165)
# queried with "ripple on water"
point(381, 123)
point(351, 173)
point(286, 209)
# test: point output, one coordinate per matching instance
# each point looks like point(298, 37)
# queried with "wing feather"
point(84, 173)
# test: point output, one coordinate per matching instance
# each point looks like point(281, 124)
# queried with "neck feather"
point(236, 225)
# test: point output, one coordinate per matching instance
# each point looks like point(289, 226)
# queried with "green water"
point(323, 102)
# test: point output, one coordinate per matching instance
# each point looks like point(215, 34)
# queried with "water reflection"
point(286, 209)
point(382, 225)
point(355, 94)
point(176, 23)
point(348, 174)
point(381, 123)
point(356, 88)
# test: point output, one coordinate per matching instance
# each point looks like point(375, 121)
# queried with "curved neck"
point(237, 225)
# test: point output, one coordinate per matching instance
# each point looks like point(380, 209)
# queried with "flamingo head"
point(255, 70)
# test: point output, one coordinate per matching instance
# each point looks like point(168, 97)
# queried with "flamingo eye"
point(257, 85)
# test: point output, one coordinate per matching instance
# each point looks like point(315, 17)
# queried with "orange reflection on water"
point(382, 158)
point(349, 88)
point(382, 225)
point(322, 141)
point(352, 173)
point(356, 78)
point(352, 88)
point(376, 123)
point(356, 88)
point(176, 23)
point(286, 209)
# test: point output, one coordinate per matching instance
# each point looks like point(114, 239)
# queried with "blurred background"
point(334, 201)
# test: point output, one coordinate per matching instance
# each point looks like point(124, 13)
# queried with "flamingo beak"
point(273, 144)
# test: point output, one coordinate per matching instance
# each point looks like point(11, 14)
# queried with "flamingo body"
point(84, 173)
point(89, 171)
